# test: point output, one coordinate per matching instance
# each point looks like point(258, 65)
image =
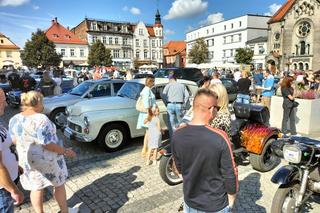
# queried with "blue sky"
point(18, 18)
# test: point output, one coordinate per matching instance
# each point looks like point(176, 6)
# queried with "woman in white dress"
point(57, 78)
point(41, 153)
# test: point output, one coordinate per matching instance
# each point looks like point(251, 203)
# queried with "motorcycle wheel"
point(285, 198)
point(166, 172)
point(266, 161)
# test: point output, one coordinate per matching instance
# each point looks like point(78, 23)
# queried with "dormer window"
point(55, 36)
point(67, 36)
point(140, 31)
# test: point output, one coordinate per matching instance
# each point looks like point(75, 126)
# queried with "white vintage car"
point(111, 121)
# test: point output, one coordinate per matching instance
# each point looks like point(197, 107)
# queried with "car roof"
point(107, 79)
point(162, 81)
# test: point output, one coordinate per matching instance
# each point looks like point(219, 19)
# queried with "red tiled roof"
point(151, 31)
point(59, 34)
point(280, 14)
point(175, 47)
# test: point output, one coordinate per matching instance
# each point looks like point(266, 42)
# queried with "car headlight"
point(292, 153)
point(86, 121)
point(67, 111)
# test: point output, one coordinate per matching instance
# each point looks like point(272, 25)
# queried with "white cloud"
point(35, 7)
point(125, 8)
point(22, 17)
point(212, 18)
point(186, 9)
point(14, 3)
point(135, 11)
point(273, 8)
point(168, 32)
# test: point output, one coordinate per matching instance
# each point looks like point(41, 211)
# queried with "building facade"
point(9, 53)
point(73, 50)
point(174, 54)
point(259, 48)
point(223, 38)
point(130, 44)
point(294, 36)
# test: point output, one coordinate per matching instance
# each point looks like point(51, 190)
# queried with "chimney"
point(55, 20)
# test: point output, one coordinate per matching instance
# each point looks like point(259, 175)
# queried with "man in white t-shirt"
point(116, 74)
point(237, 75)
point(9, 192)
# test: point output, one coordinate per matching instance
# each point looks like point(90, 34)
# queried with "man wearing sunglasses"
point(204, 158)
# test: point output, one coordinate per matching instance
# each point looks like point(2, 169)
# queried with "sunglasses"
point(217, 108)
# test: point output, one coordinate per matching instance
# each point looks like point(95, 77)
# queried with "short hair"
point(149, 81)
point(204, 92)
point(222, 94)
point(30, 99)
point(268, 71)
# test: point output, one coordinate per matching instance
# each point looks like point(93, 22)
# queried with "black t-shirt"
point(244, 86)
point(285, 91)
point(28, 83)
point(203, 155)
point(15, 80)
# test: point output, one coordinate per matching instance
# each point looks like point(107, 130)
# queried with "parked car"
point(191, 74)
point(141, 75)
point(55, 106)
point(112, 121)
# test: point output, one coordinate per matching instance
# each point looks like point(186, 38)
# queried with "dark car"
point(231, 86)
point(141, 75)
point(191, 74)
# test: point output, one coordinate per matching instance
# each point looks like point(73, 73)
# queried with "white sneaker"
point(73, 210)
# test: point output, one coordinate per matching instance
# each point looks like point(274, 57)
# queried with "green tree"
point(244, 55)
point(199, 52)
point(40, 52)
point(99, 55)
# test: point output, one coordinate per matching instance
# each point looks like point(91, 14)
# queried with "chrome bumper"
point(74, 136)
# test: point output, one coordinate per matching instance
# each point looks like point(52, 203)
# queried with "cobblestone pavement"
point(120, 182)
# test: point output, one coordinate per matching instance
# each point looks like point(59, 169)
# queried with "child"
point(154, 134)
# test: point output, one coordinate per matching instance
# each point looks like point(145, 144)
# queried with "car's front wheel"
point(59, 117)
point(112, 137)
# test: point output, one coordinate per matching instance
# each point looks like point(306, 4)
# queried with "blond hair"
point(30, 99)
point(223, 99)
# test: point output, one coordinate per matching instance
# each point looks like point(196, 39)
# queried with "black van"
point(191, 74)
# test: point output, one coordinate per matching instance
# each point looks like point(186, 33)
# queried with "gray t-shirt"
point(175, 92)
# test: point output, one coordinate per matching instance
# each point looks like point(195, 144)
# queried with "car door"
point(157, 91)
point(116, 87)
point(102, 89)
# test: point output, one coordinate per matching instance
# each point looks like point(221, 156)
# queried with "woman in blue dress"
point(148, 100)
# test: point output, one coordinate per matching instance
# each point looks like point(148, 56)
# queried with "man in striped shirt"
point(203, 156)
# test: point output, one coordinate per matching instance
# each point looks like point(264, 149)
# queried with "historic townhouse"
point(9, 53)
point(73, 50)
point(294, 36)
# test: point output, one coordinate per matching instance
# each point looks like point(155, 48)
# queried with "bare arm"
point(59, 150)
point(232, 199)
point(8, 184)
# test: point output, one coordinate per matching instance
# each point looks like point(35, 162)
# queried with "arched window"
point(306, 66)
point(300, 66)
point(302, 47)
point(138, 54)
point(295, 66)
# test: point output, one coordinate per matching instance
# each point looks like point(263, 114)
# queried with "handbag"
point(295, 104)
point(140, 105)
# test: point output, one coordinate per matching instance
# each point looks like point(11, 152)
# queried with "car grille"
point(74, 127)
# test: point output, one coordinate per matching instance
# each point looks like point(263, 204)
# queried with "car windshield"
point(130, 90)
point(81, 88)
point(161, 73)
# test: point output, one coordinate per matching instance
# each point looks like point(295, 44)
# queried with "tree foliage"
point(40, 52)
point(99, 55)
point(244, 55)
point(199, 52)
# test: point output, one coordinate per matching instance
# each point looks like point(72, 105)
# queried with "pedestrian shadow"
point(249, 194)
point(108, 193)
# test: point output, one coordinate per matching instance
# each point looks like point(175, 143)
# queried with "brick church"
point(294, 36)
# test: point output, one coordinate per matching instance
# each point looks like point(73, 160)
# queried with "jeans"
point(175, 116)
point(187, 209)
point(289, 113)
point(6, 202)
point(243, 99)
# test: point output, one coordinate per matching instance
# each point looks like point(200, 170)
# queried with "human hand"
point(17, 196)
point(69, 153)
point(20, 170)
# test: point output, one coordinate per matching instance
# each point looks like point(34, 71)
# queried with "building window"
point(81, 52)
point(240, 37)
point(225, 27)
point(9, 54)
point(224, 53)
point(160, 43)
point(232, 39)
point(145, 54)
point(55, 36)
point(302, 47)
point(116, 53)
point(231, 53)
point(224, 40)
point(138, 54)
point(137, 43)
point(116, 40)
point(153, 55)
point(125, 54)
point(207, 41)
point(140, 31)
point(261, 50)
point(207, 31)
point(212, 30)
point(212, 42)
point(94, 39)
point(63, 52)
point(1, 41)
point(104, 40)
point(232, 26)
point(125, 41)
point(94, 26)
point(110, 40)
point(71, 52)
point(145, 43)
point(240, 23)
point(153, 43)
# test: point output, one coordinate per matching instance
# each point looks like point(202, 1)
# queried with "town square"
point(160, 106)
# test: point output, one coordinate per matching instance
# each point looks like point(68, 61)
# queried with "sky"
point(19, 18)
